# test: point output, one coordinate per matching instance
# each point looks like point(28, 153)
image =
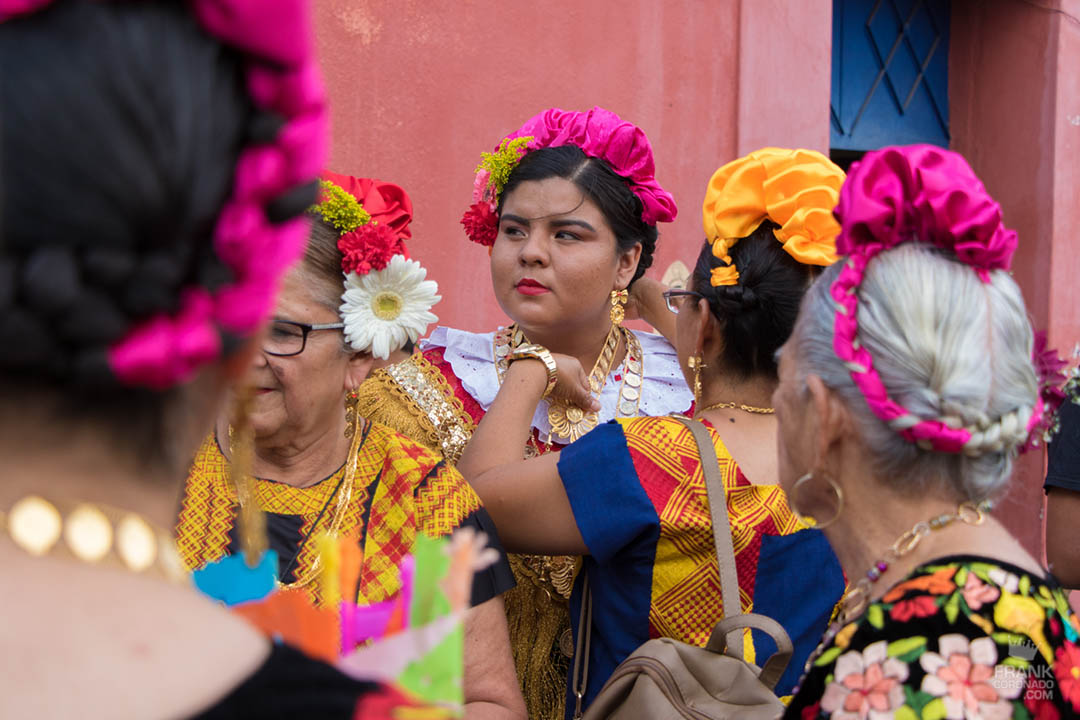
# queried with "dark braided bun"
point(120, 126)
point(758, 313)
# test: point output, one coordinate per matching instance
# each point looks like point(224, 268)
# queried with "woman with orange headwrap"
point(630, 495)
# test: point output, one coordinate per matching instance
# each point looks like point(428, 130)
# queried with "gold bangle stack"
point(537, 352)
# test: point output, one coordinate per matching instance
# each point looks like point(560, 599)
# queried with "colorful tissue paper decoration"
point(414, 640)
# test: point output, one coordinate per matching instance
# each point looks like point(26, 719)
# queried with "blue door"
point(890, 74)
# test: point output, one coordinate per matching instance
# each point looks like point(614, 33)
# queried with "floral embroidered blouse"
point(960, 637)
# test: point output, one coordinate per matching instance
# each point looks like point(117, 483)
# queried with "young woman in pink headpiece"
point(908, 387)
point(155, 163)
point(568, 207)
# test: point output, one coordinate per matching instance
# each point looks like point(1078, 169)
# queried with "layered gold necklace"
point(568, 422)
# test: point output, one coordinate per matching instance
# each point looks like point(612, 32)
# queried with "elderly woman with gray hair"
point(906, 390)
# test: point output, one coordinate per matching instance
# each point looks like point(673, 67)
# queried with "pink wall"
point(1014, 100)
point(420, 88)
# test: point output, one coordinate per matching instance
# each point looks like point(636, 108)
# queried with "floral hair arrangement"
point(599, 133)
point(925, 194)
point(258, 233)
point(796, 189)
point(387, 300)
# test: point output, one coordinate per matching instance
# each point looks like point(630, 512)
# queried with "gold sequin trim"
point(427, 387)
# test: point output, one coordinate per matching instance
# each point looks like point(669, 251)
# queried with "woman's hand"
point(646, 302)
point(573, 384)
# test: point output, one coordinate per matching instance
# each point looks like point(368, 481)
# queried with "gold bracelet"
point(532, 351)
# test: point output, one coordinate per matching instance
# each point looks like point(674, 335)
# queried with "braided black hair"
point(120, 128)
point(594, 177)
point(758, 313)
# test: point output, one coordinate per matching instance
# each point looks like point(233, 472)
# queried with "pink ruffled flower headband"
point(599, 133)
point(283, 79)
point(918, 193)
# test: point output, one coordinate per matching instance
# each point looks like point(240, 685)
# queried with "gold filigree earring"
point(250, 521)
point(619, 299)
point(351, 399)
point(695, 363)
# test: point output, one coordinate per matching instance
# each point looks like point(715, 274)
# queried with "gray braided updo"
point(948, 347)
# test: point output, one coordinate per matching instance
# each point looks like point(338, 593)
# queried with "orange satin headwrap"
point(387, 203)
point(796, 189)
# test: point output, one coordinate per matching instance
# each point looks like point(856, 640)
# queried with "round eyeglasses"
point(675, 298)
point(286, 338)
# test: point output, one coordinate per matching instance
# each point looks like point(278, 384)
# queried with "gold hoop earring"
point(810, 520)
point(619, 299)
point(696, 363)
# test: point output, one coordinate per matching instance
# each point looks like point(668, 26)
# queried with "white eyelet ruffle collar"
point(472, 358)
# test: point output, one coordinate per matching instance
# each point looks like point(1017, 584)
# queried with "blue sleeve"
point(610, 507)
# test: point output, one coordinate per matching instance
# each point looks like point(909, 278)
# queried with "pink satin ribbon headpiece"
point(918, 193)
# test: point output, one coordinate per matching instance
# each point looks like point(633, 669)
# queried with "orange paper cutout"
point(291, 616)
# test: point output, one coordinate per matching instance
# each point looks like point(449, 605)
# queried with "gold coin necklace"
point(569, 422)
point(94, 534)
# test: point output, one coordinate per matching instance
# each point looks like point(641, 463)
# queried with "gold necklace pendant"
point(570, 422)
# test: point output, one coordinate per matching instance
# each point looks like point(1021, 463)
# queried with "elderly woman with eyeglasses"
point(318, 466)
point(630, 495)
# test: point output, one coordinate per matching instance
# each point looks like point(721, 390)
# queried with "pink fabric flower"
point(865, 683)
point(602, 134)
point(922, 193)
point(977, 593)
point(962, 673)
point(480, 191)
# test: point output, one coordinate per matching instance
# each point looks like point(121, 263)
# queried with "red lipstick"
point(528, 286)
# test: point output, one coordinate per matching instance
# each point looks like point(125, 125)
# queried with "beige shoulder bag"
point(664, 678)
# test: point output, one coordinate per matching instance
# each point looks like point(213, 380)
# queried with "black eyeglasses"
point(674, 298)
point(287, 338)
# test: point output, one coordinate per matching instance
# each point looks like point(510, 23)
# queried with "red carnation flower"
point(481, 224)
point(369, 247)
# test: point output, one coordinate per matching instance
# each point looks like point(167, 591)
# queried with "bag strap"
point(721, 524)
point(775, 666)
point(580, 677)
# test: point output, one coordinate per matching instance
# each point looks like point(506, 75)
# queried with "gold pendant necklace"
point(570, 423)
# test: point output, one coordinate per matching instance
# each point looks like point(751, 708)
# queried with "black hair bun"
point(758, 312)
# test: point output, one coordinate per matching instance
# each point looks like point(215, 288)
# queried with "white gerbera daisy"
point(384, 309)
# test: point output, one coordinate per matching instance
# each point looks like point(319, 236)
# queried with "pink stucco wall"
point(1014, 98)
point(420, 88)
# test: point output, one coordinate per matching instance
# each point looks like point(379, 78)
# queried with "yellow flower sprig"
point(502, 162)
point(340, 209)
